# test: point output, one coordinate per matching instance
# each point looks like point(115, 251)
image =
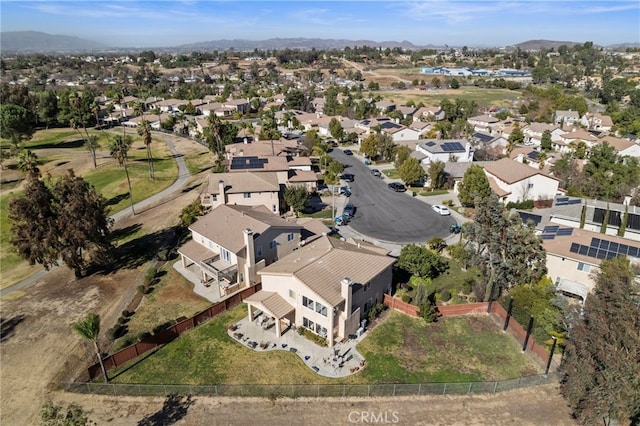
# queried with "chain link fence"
point(311, 391)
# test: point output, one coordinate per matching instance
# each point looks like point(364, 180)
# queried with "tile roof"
point(510, 171)
point(272, 302)
point(225, 224)
point(236, 183)
point(323, 263)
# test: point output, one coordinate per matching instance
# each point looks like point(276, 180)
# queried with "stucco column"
point(330, 330)
point(278, 328)
point(250, 313)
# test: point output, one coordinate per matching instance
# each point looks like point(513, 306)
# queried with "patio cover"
point(573, 287)
point(270, 302)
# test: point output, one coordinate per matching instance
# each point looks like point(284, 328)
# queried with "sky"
point(480, 23)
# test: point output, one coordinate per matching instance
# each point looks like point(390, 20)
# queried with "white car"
point(441, 210)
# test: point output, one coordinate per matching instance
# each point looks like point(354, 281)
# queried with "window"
point(321, 309)
point(273, 244)
point(292, 294)
point(290, 236)
point(259, 251)
point(274, 209)
point(321, 330)
point(214, 198)
point(247, 195)
point(584, 267)
point(225, 255)
point(306, 302)
point(308, 324)
point(530, 186)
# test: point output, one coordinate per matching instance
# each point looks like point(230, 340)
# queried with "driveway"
point(385, 215)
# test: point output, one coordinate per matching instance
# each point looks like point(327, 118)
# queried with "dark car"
point(349, 210)
point(347, 177)
point(348, 152)
point(376, 172)
point(397, 187)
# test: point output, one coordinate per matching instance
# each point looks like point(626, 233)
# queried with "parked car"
point(345, 191)
point(440, 209)
point(349, 210)
point(376, 172)
point(397, 187)
point(347, 177)
point(348, 152)
point(455, 228)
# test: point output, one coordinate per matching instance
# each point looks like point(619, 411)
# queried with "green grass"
point(322, 214)
point(400, 350)
point(493, 97)
point(435, 192)
point(199, 162)
point(391, 173)
point(458, 349)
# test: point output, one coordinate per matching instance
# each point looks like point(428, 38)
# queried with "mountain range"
point(39, 42)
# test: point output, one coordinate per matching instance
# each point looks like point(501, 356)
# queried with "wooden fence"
point(515, 329)
point(132, 352)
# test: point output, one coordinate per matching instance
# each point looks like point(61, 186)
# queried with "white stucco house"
point(513, 181)
point(326, 286)
point(445, 150)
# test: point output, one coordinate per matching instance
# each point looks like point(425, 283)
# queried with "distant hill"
point(293, 43)
point(34, 41)
point(544, 44)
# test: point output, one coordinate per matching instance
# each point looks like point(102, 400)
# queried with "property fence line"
point(171, 333)
point(311, 391)
point(511, 326)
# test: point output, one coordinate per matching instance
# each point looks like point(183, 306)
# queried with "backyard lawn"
point(400, 350)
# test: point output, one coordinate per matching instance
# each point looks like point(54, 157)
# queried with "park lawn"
point(456, 349)
point(197, 163)
point(110, 180)
point(483, 97)
point(12, 267)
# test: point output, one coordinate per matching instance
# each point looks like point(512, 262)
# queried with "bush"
point(150, 276)
point(314, 337)
point(127, 313)
point(117, 331)
point(406, 298)
point(142, 289)
point(123, 320)
point(522, 205)
point(143, 336)
point(445, 295)
point(162, 327)
point(467, 284)
point(375, 311)
point(448, 203)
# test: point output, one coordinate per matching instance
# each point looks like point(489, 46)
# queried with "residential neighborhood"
point(318, 218)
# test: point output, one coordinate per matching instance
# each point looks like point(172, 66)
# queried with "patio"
point(339, 361)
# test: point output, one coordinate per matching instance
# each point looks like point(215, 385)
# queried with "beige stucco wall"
point(559, 267)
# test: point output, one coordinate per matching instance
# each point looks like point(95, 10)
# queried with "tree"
point(47, 108)
point(474, 185)
point(515, 138)
point(402, 153)
point(68, 222)
point(15, 123)
point(508, 252)
point(335, 128)
point(220, 133)
point(411, 171)
point(54, 415)
point(144, 130)
point(296, 197)
point(89, 329)
point(119, 149)
point(369, 146)
point(269, 126)
point(545, 141)
point(421, 261)
point(82, 223)
point(436, 174)
point(28, 164)
point(601, 366)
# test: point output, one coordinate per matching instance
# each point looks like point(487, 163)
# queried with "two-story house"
point(230, 244)
point(243, 189)
point(327, 286)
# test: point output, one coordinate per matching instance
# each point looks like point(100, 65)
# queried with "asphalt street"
point(385, 215)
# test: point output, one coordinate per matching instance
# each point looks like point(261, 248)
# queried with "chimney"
point(249, 266)
point(222, 196)
point(345, 292)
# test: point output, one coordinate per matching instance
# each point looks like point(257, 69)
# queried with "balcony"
point(219, 271)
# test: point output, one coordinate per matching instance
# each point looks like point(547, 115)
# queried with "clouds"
point(472, 23)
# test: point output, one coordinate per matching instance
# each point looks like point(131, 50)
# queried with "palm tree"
point(144, 130)
point(28, 164)
point(119, 147)
point(89, 329)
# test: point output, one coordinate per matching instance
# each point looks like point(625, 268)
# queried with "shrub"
point(52, 414)
point(445, 295)
point(144, 336)
point(117, 331)
point(123, 320)
point(314, 337)
point(448, 203)
point(127, 313)
point(162, 327)
point(142, 288)
point(471, 299)
point(467, 284)
point(150, 276)
point(406, 298)
point(522, 205)
point(375, 311)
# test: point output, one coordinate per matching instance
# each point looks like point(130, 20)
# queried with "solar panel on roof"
point(430, 143)
point(592, 252)
point(614, 247)
point(548, 236)
point(575, 201)
point(564, 231)
point(604, 245)
point(565, 199)
point(530, 217)
point(574, 247)
point(549, 229)
point(583, 250)
point(624, 249)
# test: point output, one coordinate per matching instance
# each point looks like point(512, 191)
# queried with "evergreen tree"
point(601, 365)
point(474, 185)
